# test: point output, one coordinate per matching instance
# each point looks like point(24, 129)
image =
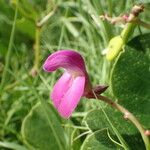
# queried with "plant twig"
point(131, 18)
point(135, 11)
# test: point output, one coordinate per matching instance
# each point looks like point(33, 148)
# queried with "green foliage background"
point(74, 24)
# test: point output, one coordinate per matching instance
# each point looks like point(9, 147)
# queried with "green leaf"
point(40, 134)
point(130, 79)
point(96, 121)
point(143, 43)
point(98, 140)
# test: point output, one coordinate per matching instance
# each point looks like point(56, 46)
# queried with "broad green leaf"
point(130, 80)
point(96, 121)
point(41, 134)
point(99, 140)
point(143, 43)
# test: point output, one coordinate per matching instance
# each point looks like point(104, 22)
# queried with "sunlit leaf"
point(130, 79)
point(96, 121)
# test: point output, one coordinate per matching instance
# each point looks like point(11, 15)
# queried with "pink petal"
point(68, 59)
point(60, 88)
point(72, 97)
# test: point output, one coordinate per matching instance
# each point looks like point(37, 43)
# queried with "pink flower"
point(72, 85)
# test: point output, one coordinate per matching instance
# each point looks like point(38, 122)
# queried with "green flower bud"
point(114, 47)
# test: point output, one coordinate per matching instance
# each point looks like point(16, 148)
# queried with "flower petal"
point(60, 88)
point(72, 97)
point(68, 59)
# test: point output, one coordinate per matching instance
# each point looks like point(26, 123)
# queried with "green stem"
point(39, 25)
point(127, 115)
point(36, 51)
point(110, 7)
point(37, 48)
point(127, 32)
point(7, 60)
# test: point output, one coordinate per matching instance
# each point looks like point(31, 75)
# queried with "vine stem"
point(39, 25)
point(37, 47)
point(127, 115)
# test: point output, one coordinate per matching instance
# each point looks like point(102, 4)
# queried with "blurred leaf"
point(130, 79)
point(143, 43)
point(26, 27)
point(27, 9)
point(40, 134)
point(3, 49)
point(71, 28)
point(141, 1)
point(12, 146)
point(99, 140)
point(6, 17)
point(40, 5)
point(5, 8)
